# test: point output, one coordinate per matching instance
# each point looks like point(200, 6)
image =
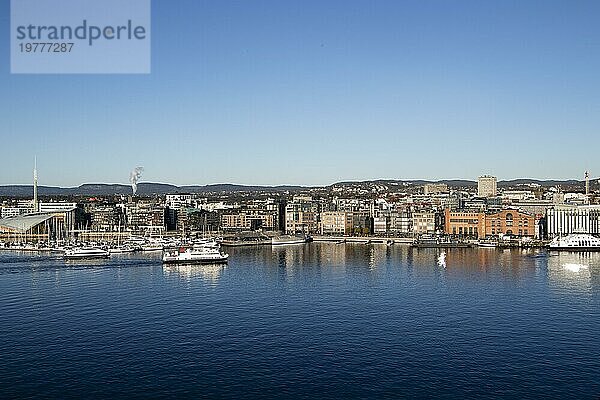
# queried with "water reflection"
point(373, 260)
point(338, 263)
point(576, 271)
point(211, 273)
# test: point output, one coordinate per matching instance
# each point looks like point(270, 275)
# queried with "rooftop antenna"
point(36, 207)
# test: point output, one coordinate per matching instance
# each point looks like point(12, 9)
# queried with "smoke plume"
point(134, 177)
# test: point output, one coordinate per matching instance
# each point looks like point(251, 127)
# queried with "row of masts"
point(36, 203)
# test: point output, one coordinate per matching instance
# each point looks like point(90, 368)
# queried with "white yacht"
point(82, 253)
point(287, 239)
point(152, 246)
point(575, 242)
point(206, 243)
point(194, 255)
point(121, 249)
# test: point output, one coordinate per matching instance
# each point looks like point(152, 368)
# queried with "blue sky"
point(314, 92)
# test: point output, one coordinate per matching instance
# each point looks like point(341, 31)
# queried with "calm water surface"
point(313, 321)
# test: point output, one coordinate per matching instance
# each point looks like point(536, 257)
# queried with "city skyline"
point(308, 93)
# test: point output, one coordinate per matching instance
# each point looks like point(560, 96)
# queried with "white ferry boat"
point(85, 253)
point(575, 242)
point(194, 255)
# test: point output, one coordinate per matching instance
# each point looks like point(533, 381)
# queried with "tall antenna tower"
point(587, 183)
point(36, 207)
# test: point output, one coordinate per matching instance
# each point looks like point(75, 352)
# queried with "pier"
point(362, 239)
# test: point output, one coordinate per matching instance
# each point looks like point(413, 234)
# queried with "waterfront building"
point(424, 222)
point(38, 226)
point(465, 223)
point(301, 215)
point(401, 221)
point(244, 221)
point(336, 223)
point(487, 186)
point(566, 219)
point(510, 222)
point(380, 225)
point(362, 222)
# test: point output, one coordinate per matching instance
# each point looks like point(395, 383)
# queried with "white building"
point(336, 223)
point(401, 221)
point(435, 188)
point(380, 225)
point(47, 207)
point(8, 212)
point(518, 195)
point(178, 201)
point(567, 219)
point(487, 186)
point(424, 222)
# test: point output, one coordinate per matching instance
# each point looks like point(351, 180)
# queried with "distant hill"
point(455, 183)
point(101, 189)
point(226, 187)
point(147, 188)
point(417, 182)
point(544, 183)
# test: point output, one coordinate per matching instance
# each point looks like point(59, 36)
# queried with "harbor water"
point(321, 320)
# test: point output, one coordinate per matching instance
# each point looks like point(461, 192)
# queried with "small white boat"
point(83, 253)
point(487, 244)
point(194, 255)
